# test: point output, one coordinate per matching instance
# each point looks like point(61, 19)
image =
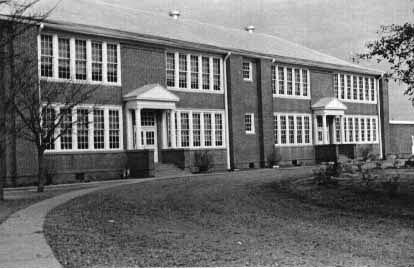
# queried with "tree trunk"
point(3, 111)
point(41, 171)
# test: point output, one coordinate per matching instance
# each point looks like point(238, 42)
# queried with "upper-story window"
point(290, 82)
point(66, 58)
point(247, 71)
point(353, 88)
point(194, 72)
point(249, 123)
point(46, 52)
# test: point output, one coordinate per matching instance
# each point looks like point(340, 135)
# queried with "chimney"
point(250, 29)
point(175, 14)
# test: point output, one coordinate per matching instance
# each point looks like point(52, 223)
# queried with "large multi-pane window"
point(96, 61)
point(342, 85)
point(281, 80)
point(207, 130)
point(289, 81)
point(305, 81)
point(358, 129)
point(206, 72)
point(353, 88)
point(64, 58)
point(66, 129)
point(185, 129)
point(170, 69)
point(218, 122)
point(83, 128)
point(114, 129)
point(182, 74)
point(298, 83)
point(194, 71)
point(196, 130)
point(112, 63)
point(273, 79)
point(338, 137)
point(292, 129)
point(98, 129)
point(348, 87)
point(80, 60)
point(46, 51)
point(48, 125)
point(216, 74)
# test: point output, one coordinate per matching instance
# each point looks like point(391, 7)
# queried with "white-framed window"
point(170, 69)
point(48, 124)
point(292, 129)
point(247, 70)
point(88, 128)
point(80, 60)
point(196, 129)
point(358, 129)
point(249, 123)
point(290, 82)
point(46, 56)
point(66, 58)
point(355, 88)
point(194, 72)
point(112, 63)
point(63, 58)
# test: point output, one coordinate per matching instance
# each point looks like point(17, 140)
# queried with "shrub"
point(368, 178)
point(273, 159)
point(324, 174)
point(392, 185)
point(410, 162)
point(365, 152)
point(203, 161)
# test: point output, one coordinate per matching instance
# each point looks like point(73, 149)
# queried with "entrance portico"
point(146, 118)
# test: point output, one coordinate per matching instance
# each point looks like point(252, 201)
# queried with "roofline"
point(125, 35)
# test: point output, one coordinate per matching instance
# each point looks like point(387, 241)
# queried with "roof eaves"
point(114, 33)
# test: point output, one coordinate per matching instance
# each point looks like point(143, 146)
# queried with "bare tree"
point(29, 105)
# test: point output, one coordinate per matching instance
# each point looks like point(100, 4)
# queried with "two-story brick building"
point(170, 87)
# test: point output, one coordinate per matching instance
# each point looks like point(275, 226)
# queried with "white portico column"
point(172, 128)
point(315, 129)
point(138, 127)
point(325, 131)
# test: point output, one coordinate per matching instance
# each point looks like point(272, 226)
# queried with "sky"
point(337, 27)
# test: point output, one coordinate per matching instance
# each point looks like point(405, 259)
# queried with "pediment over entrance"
point(329, 106)
point(151, 92)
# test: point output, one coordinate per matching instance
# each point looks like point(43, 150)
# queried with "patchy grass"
point(239, 219)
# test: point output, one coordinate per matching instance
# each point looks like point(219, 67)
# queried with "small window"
point(247, 71)
point(249, 123)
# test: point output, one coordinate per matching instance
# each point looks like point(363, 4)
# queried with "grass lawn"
point(238, 219)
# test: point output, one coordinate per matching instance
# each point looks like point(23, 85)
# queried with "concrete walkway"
point(22, 243)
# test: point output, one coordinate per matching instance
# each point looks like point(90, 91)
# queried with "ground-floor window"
point(292, 129)
point(360, 129)
point(196, 129)
point(87, 128)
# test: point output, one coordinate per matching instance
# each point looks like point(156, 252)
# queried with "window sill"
point(90, 82)
point(196, 148)
point(292, 97)
point(195, 90)
point(358, 101)
point(66, 152)
point(293, 145)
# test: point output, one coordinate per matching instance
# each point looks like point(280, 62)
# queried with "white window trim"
point(202, 134)
point(250, 78)
point(295, 115)
point(106, 148)
point(293, 96)
point(357, 76)
point(374, 140)
point(72, 48)
point(200, 78)
point(252, 131)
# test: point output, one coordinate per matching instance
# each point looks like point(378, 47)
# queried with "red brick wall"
point(400, 140)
